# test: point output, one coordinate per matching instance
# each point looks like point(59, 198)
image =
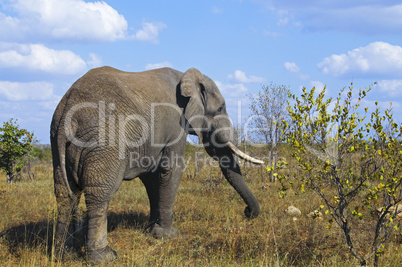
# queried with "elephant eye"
point(220, 109)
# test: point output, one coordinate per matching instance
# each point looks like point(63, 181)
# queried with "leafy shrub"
point(352, 161)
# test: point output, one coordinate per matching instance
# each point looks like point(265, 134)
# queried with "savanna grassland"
point(208, 213)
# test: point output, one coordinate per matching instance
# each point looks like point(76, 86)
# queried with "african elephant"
point(112, 126)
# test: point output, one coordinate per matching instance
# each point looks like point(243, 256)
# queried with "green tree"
point(352, 161)
point(268, 109)
point(14, 144)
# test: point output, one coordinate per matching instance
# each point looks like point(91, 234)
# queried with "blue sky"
point(45, 45)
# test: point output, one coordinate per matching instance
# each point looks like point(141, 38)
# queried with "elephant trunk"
point(231, 170)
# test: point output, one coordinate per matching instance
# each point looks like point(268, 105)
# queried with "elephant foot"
point(159, 232)
point(105, 255)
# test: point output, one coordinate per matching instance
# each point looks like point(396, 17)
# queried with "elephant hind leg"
point(101, 178)
point(102, 182)
point(98, 249)
point(69, 224)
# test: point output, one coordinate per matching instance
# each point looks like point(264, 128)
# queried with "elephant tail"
point(61, 144)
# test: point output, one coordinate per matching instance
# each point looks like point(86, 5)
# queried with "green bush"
point(351, 160)
point(14, 144)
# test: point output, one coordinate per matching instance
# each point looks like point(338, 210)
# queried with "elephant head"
point(206, 117)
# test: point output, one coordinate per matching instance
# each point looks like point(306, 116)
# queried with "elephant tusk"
point(243, 155)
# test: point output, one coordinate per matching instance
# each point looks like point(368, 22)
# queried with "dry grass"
point(209, 214)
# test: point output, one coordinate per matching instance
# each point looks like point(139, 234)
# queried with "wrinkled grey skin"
point(87, 142)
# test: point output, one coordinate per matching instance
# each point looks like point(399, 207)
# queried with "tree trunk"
point(271, 161)
point(273, 152)
point(376, 258)
point(244, 162)
point(10, 177)
point(28, 166)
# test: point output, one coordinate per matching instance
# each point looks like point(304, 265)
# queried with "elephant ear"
point(192, 86)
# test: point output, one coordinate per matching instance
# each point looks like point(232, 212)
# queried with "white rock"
point(293, 211)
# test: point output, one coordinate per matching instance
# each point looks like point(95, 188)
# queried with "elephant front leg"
point(168, 184)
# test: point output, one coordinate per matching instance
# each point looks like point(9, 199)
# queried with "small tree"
point(353, 162)
point(14, 144)
point(268, 110)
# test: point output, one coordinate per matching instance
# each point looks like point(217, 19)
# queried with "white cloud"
point(217, 10)
point(283, 18)
point(50, 104)
point(159, 65)
point(232, 90)
point(241, 77)
point(65, 19)
point(367, 17)
point(391, 87)
point(271, 34)
point(95, 60)
point(377, 58)
point(71, 20)
point(319, 86)
point(150, 32)
point(10, 28)
point(40, 58)
point(236, 99)
point(16, 91)
point(292, 67)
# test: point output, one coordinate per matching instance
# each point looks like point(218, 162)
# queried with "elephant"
point(113, 125)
